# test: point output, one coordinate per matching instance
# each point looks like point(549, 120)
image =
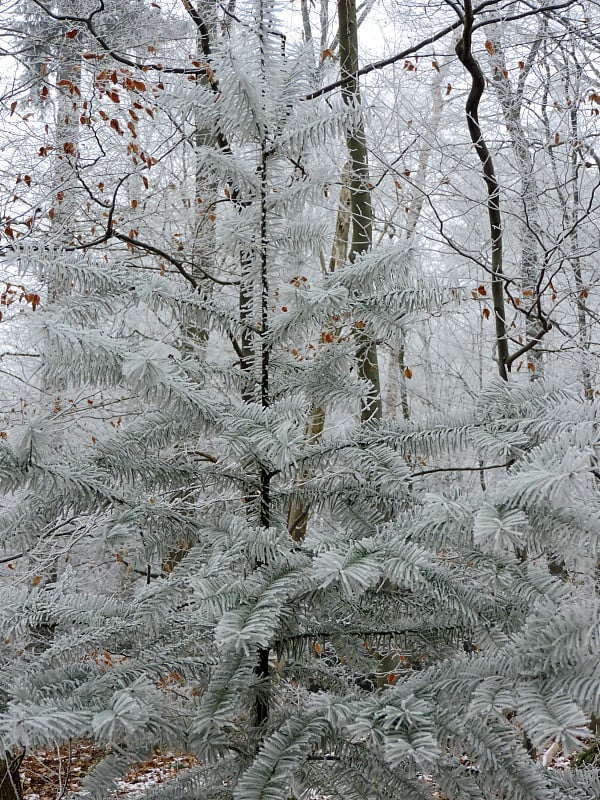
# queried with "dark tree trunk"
point(10, 780)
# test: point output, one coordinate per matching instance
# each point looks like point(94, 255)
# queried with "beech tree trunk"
point(511, 102)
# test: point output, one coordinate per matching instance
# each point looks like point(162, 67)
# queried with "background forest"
point(299, 420)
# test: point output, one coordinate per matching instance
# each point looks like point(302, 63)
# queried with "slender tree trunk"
point(396, 383)
point(261, 711)
point(391, 393)
point(402, 375)
point(253, 356)
point(575, 259)
point(306, 26)
point(511, 103)
point(324, 22)
point(204, 245)
point(360, 197)
point(465, 55)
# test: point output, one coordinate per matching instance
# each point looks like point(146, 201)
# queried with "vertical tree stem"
point(261, 710)
point(360, 196)
point(465, 55)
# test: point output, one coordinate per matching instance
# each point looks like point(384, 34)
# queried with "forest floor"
point(56, 774)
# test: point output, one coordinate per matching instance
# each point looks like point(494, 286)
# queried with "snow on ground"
point(49, 774)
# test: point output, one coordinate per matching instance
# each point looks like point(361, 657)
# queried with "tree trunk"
point(465, 55)
point(511, 101)
point(580, 286)
point(10, 780)
point(360, 197)
point(205, 192)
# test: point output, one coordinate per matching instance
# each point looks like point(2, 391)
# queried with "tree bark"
point(204, 242)
point(580, 287)
point(360, 197)
point(465, 55)
point(10, 779)
point(511, 101)
point(261, 710)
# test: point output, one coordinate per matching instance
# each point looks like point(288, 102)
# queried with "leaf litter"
point(57, 773)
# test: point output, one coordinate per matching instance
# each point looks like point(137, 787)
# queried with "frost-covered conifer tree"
point(410, 643)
